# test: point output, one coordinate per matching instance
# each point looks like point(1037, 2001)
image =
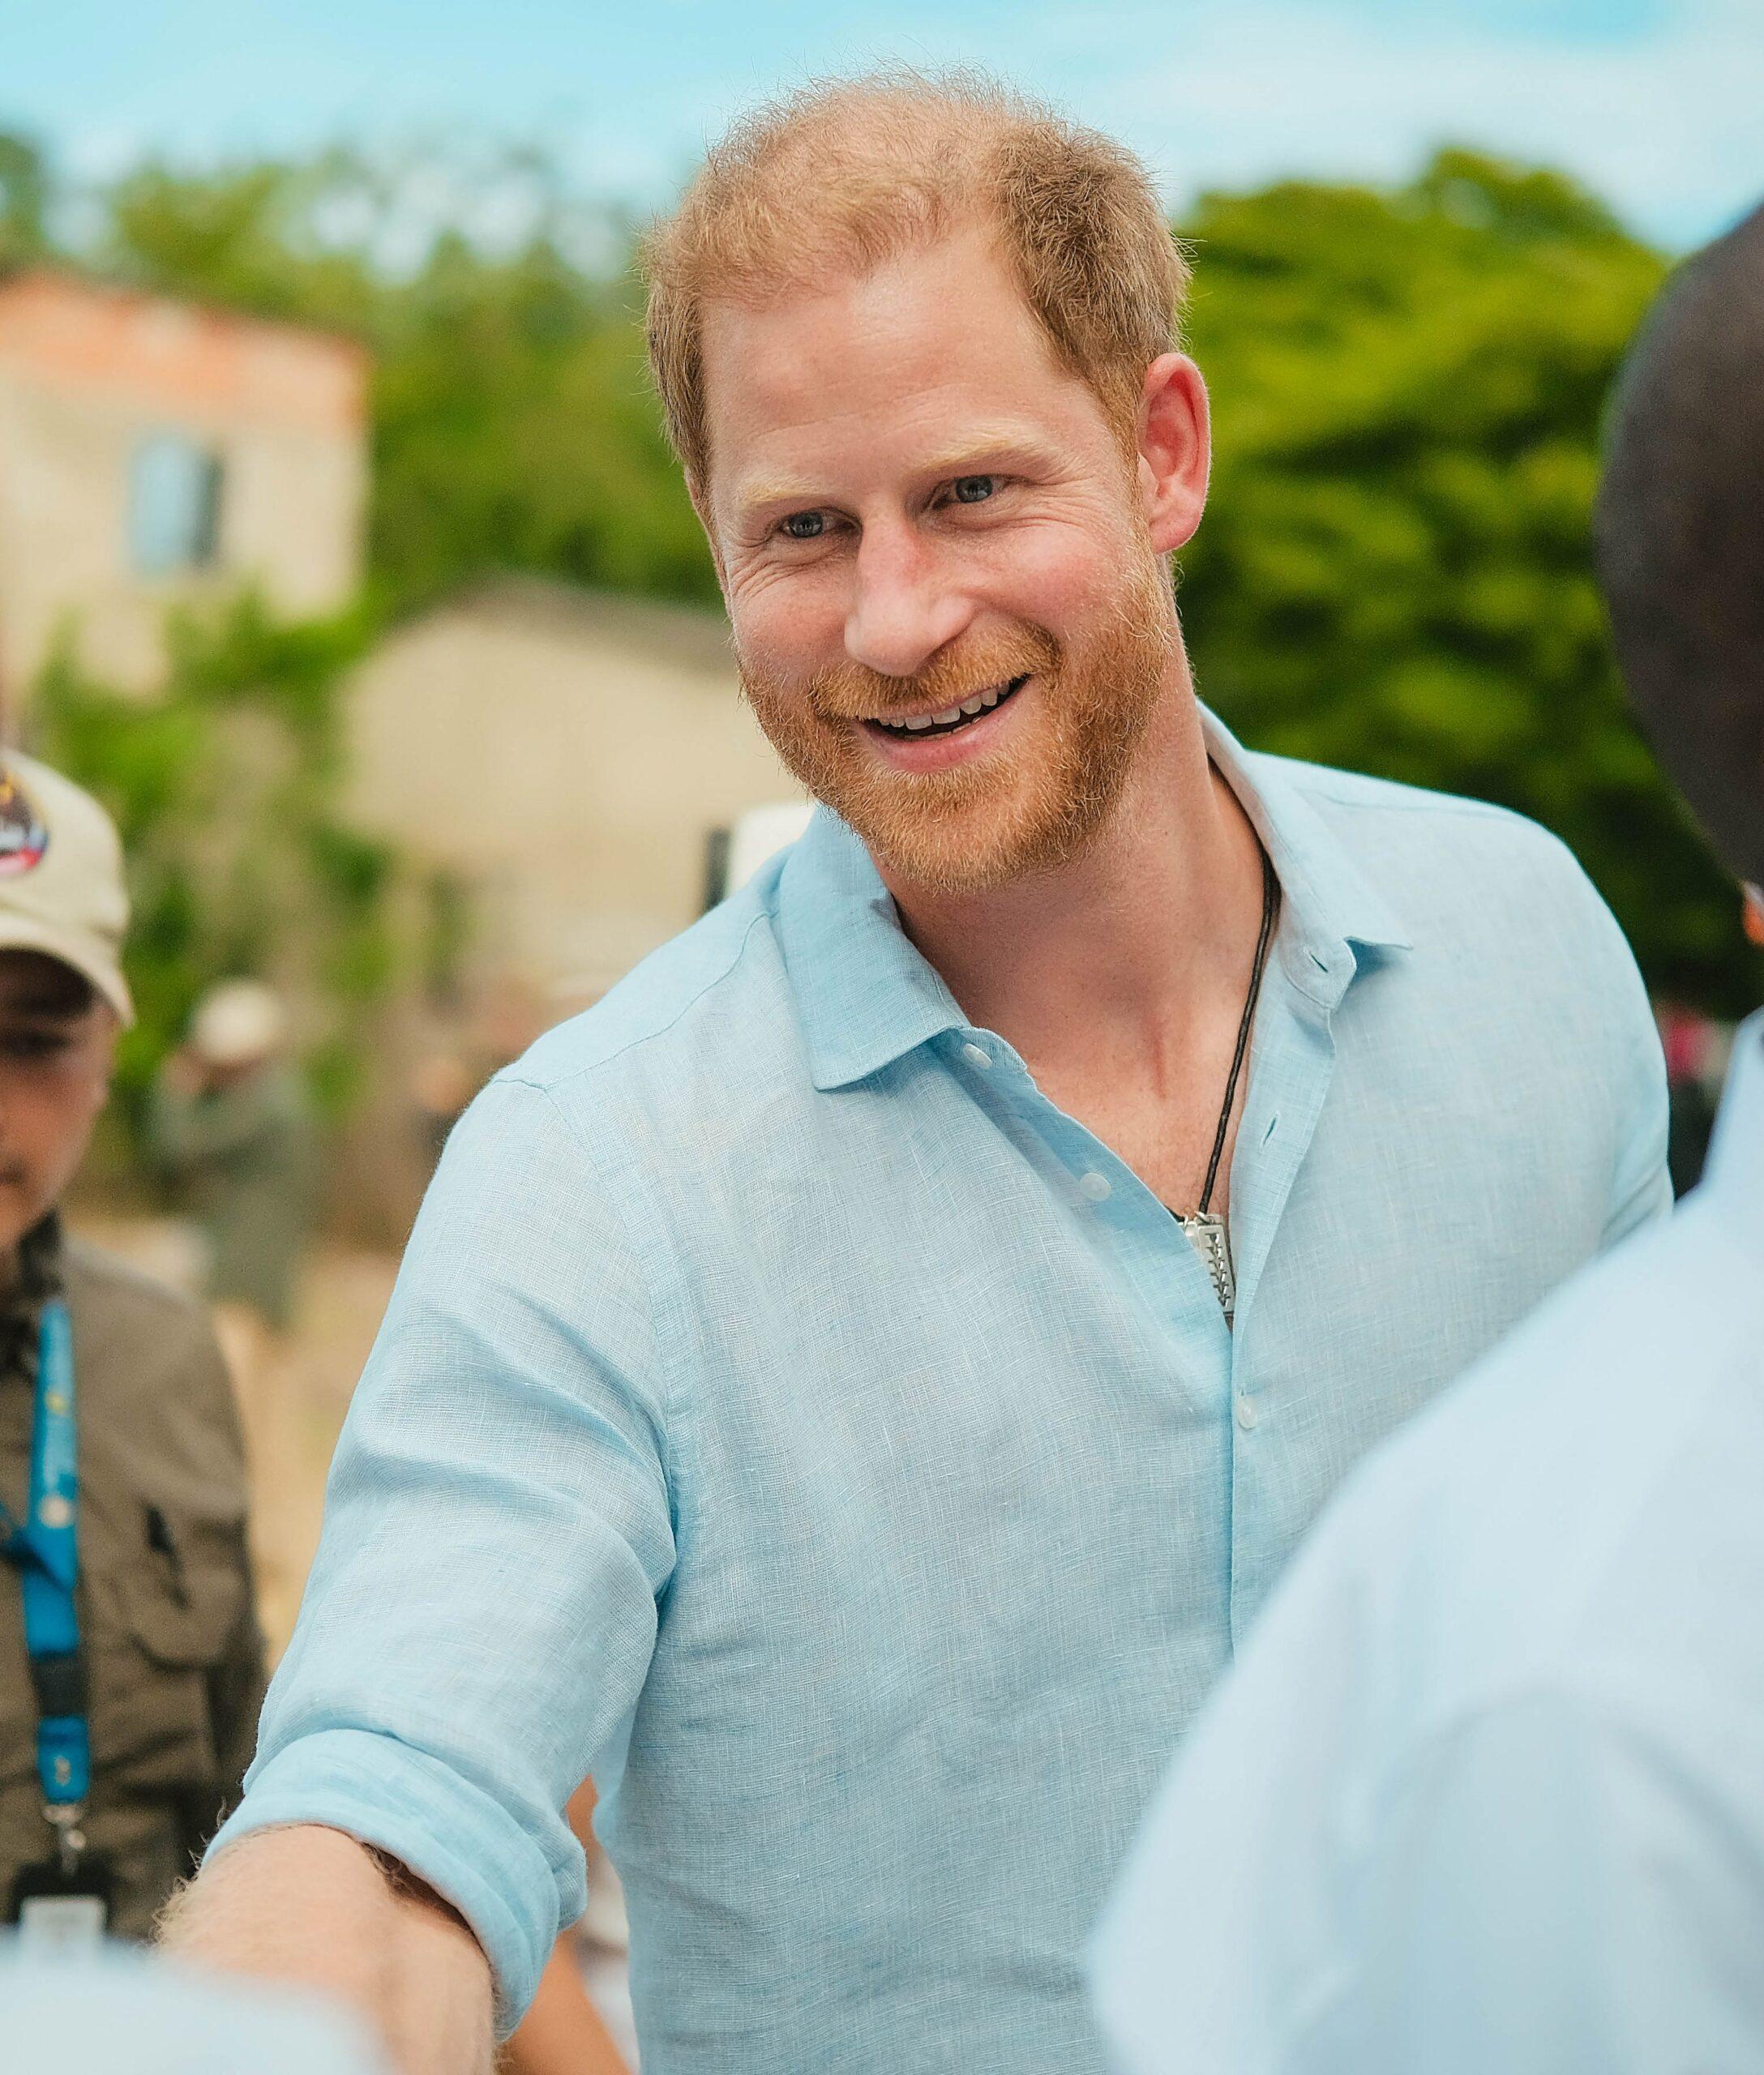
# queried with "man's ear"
point(1175, 451)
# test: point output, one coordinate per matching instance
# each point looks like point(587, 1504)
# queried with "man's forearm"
point(312, 1907)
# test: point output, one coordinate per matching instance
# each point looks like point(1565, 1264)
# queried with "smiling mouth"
point(922, 727)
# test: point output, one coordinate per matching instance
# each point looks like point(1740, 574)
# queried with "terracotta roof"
point(177, 356)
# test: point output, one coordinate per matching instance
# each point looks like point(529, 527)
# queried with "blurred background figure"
point(122, 2013)
point(1695, 1050)
point(130, 1663)
point(442, 1084)
point(231, 1127)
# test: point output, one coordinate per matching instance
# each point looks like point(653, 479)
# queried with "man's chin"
point(981, 848)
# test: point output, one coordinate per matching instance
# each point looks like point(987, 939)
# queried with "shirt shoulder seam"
point(512, 1076)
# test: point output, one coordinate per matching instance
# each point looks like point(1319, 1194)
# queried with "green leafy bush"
point(225, 788)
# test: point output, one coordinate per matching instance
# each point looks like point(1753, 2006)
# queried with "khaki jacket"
point(174, 1660)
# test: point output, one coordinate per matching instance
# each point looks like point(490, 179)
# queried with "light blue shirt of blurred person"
point(114, 2010)
point(789, 1417)
point(1486, 1789)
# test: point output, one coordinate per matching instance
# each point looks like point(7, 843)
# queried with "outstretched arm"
point(481, 1616)
point(311, 1907)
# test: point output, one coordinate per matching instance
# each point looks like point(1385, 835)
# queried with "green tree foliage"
point(1394, 571)
point(24, 200)
point(225, 789)
point(1394, 574)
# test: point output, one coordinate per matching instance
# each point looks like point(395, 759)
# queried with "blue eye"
point(974, 489)
point(804, 525)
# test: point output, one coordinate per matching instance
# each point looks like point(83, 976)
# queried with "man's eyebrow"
point(977, 453)
point(760, 496)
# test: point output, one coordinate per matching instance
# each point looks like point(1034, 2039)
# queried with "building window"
point(174, 505)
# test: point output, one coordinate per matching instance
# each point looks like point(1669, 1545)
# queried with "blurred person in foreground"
point(130, 1666)
point(231, 1125)
point(1486, 1790)
point(847, 1390)
point(116, 2011)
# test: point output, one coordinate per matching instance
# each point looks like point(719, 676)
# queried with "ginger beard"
point(1006, 814)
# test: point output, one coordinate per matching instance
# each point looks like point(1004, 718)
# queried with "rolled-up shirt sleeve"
point(498, 1525)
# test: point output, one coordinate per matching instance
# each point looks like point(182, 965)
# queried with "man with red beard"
point(848, 1391)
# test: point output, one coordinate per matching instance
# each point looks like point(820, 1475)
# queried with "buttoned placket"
point(1292, 1063)
point(1296, 1064)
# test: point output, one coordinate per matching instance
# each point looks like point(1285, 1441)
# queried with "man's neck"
point(1124, 951)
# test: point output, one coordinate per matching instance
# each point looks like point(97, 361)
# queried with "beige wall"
point(85, 375)
point(566, 760)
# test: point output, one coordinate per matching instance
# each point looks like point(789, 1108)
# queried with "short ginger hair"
point(834, 181)
point(1680, 531)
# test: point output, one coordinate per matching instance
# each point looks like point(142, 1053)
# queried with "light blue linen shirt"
point(788, 1416)
point(1486, 1789)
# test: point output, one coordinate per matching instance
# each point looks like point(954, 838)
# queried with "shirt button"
point(977, 1055)
point(1246, 1413)
point(1096, 1187)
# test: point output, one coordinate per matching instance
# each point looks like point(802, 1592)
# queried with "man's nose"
point(907, 604)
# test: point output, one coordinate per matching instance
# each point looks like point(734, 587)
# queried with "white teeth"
point(983, 702)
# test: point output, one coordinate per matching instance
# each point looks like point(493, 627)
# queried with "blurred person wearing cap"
point(233, 1124)
point(130, 1664)
point(1486, 1789)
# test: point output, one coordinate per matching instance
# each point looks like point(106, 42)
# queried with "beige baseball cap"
point(60, 876)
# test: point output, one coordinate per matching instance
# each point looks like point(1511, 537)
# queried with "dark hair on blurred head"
point(1680, 530)
point(47, 985)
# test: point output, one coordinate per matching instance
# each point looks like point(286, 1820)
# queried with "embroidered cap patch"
point(23, 837)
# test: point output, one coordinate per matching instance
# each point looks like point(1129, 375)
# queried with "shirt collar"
point(1330, 906)
point(867, 997)
point(1733, 1173)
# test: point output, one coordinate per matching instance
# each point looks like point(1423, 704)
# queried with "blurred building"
point(571, 763)
point(151, 451)
point(561, 773)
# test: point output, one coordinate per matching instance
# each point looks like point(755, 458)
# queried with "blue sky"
point(1659, 104)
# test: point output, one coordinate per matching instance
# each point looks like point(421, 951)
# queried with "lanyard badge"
point(65, 1898)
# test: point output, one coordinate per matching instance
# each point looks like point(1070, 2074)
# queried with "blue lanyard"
point(47, 1551)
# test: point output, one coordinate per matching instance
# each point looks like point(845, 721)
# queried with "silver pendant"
point(1206, 1233)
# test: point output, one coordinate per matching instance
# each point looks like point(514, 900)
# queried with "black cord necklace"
point(1206, 1230)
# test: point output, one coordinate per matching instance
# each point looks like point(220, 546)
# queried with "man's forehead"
point(936, 359)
